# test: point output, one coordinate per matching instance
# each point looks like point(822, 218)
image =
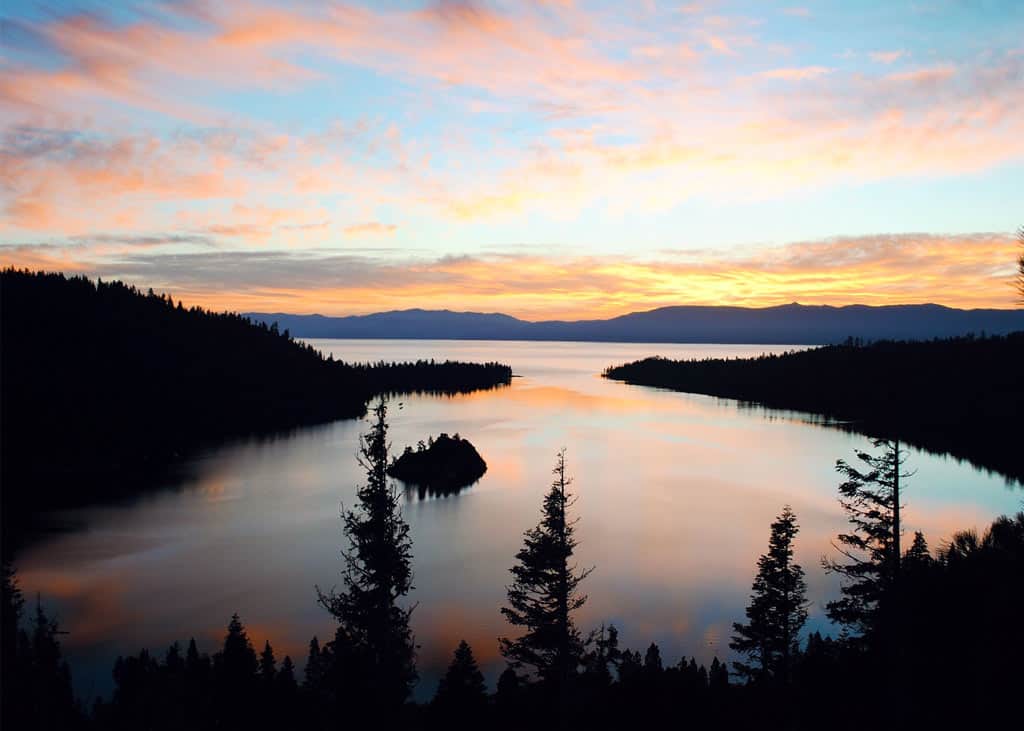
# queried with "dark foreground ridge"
point(440, 466)
point(104, 387)
point(960, 396)
point(794, 323)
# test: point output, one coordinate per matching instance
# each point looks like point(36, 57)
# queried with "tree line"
point(107, 387)
point(926, 640)
point(962, 396)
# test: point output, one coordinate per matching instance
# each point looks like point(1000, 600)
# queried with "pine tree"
point(461, 692)
point(605, 655)
point(652, 659)
point(918, 555)
point(718, 676)
point(268, 665)
point(374, 640)
point(313, 673)
point(544, 593)
point(871, 499)
point(777, 609)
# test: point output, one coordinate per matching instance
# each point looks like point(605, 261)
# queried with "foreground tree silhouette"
point(544, 593)
point(871, 499)
point(777, 610)
point(372, 658)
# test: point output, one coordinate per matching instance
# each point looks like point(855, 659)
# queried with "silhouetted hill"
point(101, 383)
point(961, 396)
point(794, 323)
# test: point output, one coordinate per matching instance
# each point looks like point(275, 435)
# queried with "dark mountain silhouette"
point(794, 323)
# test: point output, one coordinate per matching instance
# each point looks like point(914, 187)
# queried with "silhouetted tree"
point(313, 673)
point(871, 499)
point(652, 659)
point(268, 665)
point(777, 610)
point(718, 676)
point(373, 650)
point(461, 695)
point(604, 656)
point(544, 593)
point(918, 554)
point(35, 679)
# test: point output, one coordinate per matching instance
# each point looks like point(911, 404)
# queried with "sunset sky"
point(544, 159)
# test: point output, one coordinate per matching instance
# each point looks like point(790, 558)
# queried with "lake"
point(675, 496)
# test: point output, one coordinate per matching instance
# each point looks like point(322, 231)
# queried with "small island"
point(440, 466)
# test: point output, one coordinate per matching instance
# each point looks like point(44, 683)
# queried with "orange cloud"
point(796, 74)
point(371, 228)
point(962, 271)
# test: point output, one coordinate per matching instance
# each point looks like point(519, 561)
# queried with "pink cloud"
point(887, 56)
point(371, 228)
point(796, 74)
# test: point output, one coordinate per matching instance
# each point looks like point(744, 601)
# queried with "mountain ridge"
point(789, 323)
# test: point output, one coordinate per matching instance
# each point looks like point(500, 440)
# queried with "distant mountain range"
point(795, 324)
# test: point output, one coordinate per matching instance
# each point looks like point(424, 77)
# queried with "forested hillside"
point(963, 396)
point(101, 382)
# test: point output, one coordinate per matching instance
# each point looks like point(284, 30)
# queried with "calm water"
point(676, 493)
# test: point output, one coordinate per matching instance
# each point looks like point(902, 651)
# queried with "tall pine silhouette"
point(871, 498)
point(373, 651)
point(544, 593)
point(777, 610)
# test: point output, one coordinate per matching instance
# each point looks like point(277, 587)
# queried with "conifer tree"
point(461, 692)
point(777, 609)
point(652, 659)
point(871, 499)
point(605, 655)
point(374, 642)
point(544, 592)
point(268, 665)
point(313, 673)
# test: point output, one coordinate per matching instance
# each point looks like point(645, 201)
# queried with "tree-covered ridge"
point(962, 396)
point(439, 466)
point(100, 381)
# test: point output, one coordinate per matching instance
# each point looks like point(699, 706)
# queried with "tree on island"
point(372, 658)
point(777, 610)
point(545, 592)
point(871, 499)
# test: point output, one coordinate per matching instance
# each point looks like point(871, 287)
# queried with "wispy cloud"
point(796, 73)
point(886, 56)
point(371, 228)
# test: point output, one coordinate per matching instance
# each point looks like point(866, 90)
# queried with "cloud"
point(887, 56)
point(796, 74)
point(371, 228)
point(972, 270)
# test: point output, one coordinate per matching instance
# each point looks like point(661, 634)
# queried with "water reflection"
point(676, 493)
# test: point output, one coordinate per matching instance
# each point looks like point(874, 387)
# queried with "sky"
point(558, 159)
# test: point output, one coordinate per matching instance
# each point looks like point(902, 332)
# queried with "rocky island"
point(442, 466)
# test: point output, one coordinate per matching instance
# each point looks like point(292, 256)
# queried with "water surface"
point(675, 495)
